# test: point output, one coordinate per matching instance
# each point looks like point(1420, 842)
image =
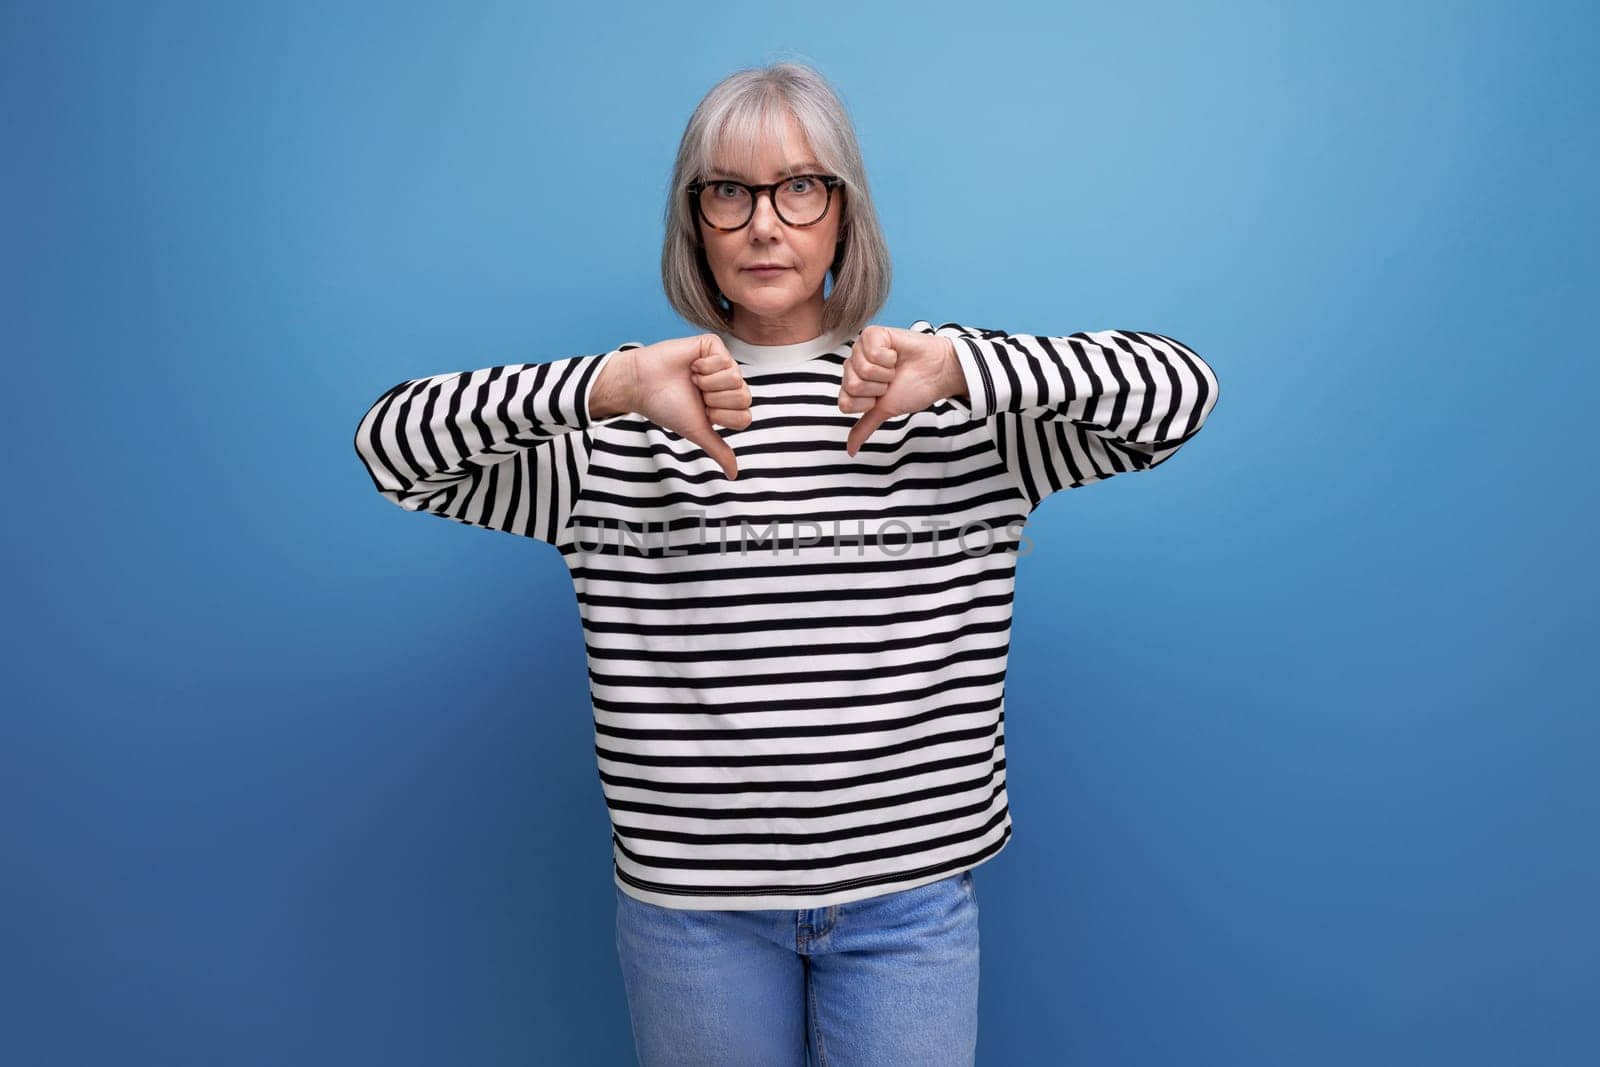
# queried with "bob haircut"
point(727, 128)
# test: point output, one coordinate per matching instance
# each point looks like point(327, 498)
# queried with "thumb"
point(715, 447)
point(870, 420)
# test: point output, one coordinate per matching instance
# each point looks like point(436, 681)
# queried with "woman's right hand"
point(686, 385)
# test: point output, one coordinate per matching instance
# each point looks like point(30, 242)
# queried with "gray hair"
point(728, 127)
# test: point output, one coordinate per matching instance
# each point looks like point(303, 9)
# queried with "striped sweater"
point(797, 676)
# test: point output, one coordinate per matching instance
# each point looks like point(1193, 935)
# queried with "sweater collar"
point(767, 356)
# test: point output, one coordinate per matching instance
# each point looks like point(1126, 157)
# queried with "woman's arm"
point(499, 447)
point(1066, 411)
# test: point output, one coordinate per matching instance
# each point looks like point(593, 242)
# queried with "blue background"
point(1301, 730)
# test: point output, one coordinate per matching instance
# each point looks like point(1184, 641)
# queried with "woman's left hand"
point(895, 372)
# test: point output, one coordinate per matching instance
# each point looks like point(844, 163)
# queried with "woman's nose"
point(766, 218)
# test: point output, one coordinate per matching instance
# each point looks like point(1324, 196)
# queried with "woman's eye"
point(725, 189)
point(804, 183)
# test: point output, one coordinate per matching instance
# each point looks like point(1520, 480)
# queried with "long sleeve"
point(1066, 411)
point(505, 448)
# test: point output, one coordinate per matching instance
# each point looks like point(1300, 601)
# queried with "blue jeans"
point(887, 980)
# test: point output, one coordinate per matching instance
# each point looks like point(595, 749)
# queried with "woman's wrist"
point(954, 376)
point(613, 390)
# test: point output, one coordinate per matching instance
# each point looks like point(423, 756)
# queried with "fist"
point(688, 384)
point(895, 372)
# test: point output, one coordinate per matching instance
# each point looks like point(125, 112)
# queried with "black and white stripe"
point(497, 447)
point(1066, 411)
point(808, 721)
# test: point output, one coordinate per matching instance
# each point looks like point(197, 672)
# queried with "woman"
point(792, 538)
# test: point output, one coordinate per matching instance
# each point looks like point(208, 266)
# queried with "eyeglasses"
point(799, 200)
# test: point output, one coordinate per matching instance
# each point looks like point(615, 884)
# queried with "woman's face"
point(785, 306)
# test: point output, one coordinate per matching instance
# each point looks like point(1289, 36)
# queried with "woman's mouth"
point(765, 272)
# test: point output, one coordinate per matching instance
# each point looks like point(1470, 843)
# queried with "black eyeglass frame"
point(694, 189)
